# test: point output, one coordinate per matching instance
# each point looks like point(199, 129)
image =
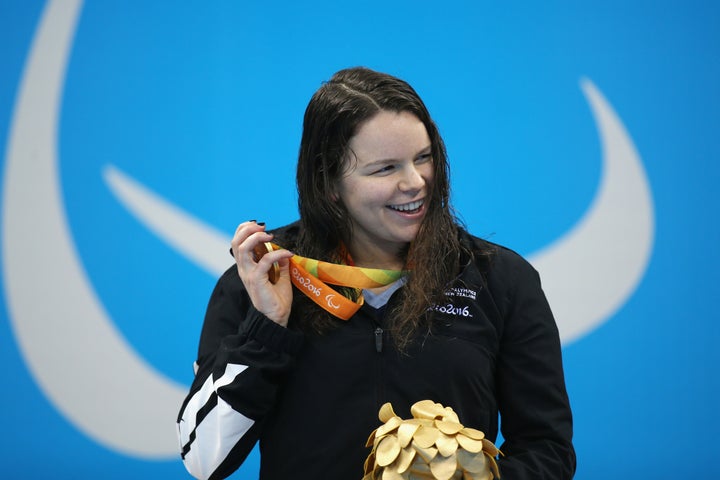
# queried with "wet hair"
point(334, 115)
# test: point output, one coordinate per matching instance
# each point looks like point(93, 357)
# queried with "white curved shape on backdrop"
point(591, 271)
point(77, 356)
point(587, 274)
point(202, 244)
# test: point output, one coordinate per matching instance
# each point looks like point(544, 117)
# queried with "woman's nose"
point(412, 180)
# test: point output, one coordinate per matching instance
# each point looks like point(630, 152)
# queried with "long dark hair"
point(333, 116)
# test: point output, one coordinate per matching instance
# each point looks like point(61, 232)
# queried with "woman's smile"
point(409, 208)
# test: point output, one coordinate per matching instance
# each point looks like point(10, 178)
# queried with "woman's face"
point(387, 183)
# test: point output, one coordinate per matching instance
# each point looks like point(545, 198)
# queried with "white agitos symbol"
point(329, 299)
point(80, 360)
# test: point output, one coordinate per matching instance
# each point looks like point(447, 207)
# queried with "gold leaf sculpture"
point(433, 445)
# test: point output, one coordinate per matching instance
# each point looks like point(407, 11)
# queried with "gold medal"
point(258, 252)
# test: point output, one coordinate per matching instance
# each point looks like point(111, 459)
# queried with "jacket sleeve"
point(241, 362)
point(536, 421)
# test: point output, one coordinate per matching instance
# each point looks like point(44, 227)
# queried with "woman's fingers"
point(272, 298)
point(242, 232)
point(248, 236)
point(271, 263)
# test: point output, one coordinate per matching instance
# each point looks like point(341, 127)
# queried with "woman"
point(460, 321)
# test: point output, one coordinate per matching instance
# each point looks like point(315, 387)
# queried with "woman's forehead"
point(389, 135)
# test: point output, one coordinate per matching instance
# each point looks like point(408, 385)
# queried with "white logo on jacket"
point(461, 292)
point(452, 309)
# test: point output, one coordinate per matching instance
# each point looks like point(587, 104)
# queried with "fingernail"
point(262, 224)
point(252, 220)
point(231, 253)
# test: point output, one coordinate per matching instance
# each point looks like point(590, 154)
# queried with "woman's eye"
point(426, 157)
point(385, 169)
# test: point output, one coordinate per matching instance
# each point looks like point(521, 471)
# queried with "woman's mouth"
point(409, 208)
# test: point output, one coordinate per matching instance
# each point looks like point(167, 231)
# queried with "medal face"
point(258, 252)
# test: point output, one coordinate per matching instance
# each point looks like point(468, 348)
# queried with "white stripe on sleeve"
point(218, 432)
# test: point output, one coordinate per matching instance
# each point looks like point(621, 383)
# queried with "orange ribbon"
point(310, 277)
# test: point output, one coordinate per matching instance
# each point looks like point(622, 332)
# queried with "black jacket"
point(312, 400)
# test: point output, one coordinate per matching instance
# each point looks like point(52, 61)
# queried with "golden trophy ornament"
point(431, 445)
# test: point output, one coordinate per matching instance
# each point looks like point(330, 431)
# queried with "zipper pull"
point(378, 339)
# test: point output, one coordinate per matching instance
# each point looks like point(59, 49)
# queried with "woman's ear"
point(333, 192)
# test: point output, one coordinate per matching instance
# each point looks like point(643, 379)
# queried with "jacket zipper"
point(378, 339)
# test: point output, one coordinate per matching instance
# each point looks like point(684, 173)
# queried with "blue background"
point(202, 102)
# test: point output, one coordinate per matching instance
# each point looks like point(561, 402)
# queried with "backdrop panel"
point(136, 135)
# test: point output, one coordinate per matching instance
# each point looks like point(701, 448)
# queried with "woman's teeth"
point(408, 207)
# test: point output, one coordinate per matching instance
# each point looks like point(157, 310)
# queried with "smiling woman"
point(459, 322)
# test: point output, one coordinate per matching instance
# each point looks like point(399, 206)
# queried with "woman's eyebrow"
point(427, 149)
point(382, 161)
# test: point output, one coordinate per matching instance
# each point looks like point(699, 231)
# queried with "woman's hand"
point(272, 300)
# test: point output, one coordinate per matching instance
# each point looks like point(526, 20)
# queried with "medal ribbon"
point(310, 277)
